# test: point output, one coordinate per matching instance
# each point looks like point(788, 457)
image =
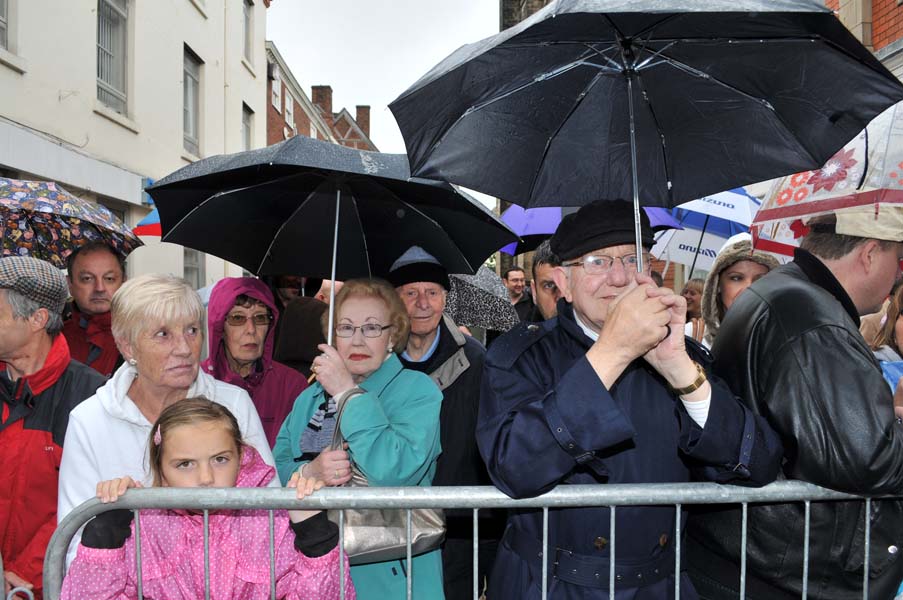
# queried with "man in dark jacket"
point(455, 363)
point(791, 347)
point(609, 391)
point(39, 385)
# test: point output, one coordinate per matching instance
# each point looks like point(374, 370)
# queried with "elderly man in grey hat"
point(790, 346)
point(39, 385)
point(455, 363)
point(609, 391)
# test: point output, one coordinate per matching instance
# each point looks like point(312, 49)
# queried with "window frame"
point(4, 24)
point(276, 96)
point(194, 261)
point(248, 30)
point(107, 92)
point(290, 111)
point(191, 137)
point(247, 126)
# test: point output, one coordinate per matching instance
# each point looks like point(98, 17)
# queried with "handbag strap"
point(341, 403)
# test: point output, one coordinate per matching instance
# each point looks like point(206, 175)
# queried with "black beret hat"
point(600, 224)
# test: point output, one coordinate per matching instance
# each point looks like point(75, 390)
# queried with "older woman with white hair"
point(157, 324)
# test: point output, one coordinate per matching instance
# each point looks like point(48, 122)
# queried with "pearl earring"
point(133, 362)
point(389, 349)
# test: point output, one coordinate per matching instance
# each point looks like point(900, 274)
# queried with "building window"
point(193, 268)
point(248, 23)
point(112, 33)
point(277, 89)
point(290, 111)
point(191, 102)
point(247, 122)
point(4, 24)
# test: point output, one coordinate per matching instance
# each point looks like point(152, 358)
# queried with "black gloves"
point(108, 530)
point(316, 536)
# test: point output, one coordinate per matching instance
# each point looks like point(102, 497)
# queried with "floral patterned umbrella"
point(867, 171)
point(480, 300)
point(41, 219)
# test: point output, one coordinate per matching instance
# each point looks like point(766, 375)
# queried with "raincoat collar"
point(222, 299)
point(383, 376)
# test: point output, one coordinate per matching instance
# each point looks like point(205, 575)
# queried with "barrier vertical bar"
point(743, 524)
point(410, 574)
point(677, 532)
point(341, 555)
point(206, 554)
point(138, 554)
point(476, 556)
point(808, 507)
point(868, 540)
point(544, 555)
point(272, 524)
point(611, 555)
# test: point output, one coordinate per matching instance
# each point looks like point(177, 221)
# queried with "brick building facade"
point(291, 112)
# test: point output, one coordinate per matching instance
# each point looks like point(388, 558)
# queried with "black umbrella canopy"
point(272, 211)
point(724, 93)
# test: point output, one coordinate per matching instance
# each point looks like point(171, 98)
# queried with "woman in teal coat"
point(392, 430)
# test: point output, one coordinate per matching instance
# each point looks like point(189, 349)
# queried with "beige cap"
point(884, 222)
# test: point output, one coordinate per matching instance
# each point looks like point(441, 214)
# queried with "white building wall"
point(53, 127)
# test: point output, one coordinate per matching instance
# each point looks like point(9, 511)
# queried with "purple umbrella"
point(534, 225)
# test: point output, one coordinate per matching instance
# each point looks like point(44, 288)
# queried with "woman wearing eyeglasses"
point(392, 429)
point(241, 321)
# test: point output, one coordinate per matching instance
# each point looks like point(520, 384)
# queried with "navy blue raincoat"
point(546, 419)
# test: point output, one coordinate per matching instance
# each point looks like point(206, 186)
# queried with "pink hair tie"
point(158, 439)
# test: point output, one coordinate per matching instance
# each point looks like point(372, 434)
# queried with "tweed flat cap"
point(37, 280)
point(597, 225)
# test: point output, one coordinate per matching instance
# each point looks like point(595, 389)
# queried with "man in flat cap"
point(609, 391)
point(790, 346)
point(39, 385)
point(455, 363)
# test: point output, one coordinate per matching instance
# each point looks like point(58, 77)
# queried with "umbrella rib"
point(540, 78)
point(545, 151)
point(357, 215)
point(286, 221)
point(677, 64)
point(661, 137)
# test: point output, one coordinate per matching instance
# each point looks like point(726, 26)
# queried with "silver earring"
point(133, 362)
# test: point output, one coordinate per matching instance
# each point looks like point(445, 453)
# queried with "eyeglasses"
point(259, 320)
point(370, 330)
point(598, 264)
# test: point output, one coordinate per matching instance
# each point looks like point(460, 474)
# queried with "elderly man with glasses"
point(609, 391)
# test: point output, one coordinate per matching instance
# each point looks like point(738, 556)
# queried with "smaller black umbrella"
point(309, 207)
point(273, 211)
point(480, 300)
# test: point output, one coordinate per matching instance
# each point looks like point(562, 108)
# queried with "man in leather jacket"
point(791, 347)
point(609, 391)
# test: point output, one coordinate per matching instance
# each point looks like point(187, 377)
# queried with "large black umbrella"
point(661, 102)
point(273, 211)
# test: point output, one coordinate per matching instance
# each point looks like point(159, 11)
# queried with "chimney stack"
point(363, 119)
point(322, 97)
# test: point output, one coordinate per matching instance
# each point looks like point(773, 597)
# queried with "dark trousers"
point(457, 566)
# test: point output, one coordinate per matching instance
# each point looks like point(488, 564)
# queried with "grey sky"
point(370, 51)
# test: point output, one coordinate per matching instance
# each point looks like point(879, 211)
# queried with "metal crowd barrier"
point(475, 498)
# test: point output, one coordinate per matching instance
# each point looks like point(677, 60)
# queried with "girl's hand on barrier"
point(111, 490)
point(303, 486)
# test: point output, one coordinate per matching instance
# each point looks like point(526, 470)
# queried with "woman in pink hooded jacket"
point(196, 443)
point(241, 321)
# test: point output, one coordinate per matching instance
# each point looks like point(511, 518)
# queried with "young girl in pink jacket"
point(197, 443)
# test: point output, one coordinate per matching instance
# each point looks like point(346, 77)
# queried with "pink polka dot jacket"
point(172, 557)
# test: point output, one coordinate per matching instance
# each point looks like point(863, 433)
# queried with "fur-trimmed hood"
point(729, 256)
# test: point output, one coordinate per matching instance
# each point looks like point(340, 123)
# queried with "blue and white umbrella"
point(707, 224)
